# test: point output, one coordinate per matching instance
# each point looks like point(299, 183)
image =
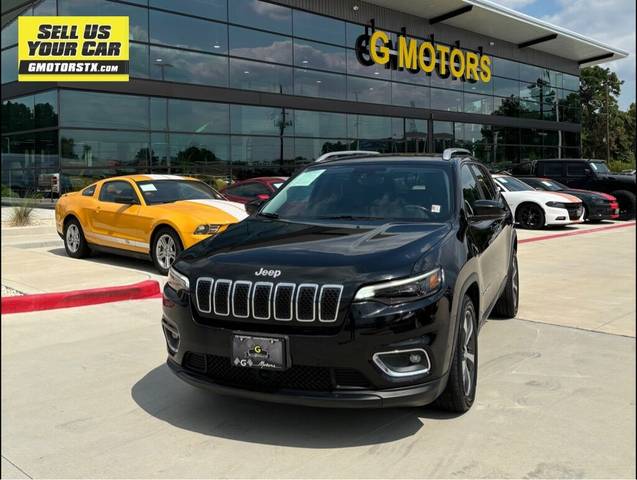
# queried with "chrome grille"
point(306, 302)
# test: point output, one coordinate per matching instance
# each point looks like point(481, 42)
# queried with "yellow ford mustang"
point(143, 215)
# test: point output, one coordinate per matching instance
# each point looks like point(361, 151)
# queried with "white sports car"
point(537, 209)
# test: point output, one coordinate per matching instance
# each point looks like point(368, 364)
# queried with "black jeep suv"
point(362, 283)
point(585, 174)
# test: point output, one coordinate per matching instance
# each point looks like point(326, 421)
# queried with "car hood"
point(208, 211)
point(320, 253)
point(587, 194)
point(542, 196)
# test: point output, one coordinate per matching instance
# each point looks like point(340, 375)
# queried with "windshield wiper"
point(268, 215)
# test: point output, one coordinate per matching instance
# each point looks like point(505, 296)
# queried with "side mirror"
point(488, 208)
point(254, 206)
point(126, 200)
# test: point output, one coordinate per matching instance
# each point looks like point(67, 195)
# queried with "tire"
point(626, 202)
point(460, 391)
point(74, 241)
point(507, 304)
point(530, 216)
point(165, 247)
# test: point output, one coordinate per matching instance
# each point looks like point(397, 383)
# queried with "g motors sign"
point(77, 49)
point(422, 56)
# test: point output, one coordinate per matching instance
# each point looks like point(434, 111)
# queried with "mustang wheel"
point(74, 241)
point(460, 391)
point(530, 216)
point(165, 248)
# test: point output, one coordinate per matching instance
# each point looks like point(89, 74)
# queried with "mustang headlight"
point(556, 204)
point(177, 281)
point(403, 290)
point(207, 229)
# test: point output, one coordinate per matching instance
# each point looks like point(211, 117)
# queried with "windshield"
point(550, 185)
point(513, 184)
point(600, 167)
point(366, 192)
point(168, 191)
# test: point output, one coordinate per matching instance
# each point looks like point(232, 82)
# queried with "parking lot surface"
point(86, 393)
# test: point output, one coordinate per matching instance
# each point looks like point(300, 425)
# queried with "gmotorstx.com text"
point(70, 67)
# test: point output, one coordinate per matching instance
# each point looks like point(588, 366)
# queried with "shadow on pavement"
point(164, 396)
point(113, 260)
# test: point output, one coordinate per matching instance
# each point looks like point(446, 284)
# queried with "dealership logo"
point(422, 56)
point(78, 49)
point(267, 273)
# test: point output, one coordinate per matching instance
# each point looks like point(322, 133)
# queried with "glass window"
point(529, 109)
point(188, 67)
point(470, 190)
point(265, 77)
point(505, 68)
point(354, 67)
point(320, 124)
point(18, 114)
point(449, 82)
point(485, 182)
point(30, 150)
point(267, 47)
point(443, 136)
point(478, 104)
point(45, 8)
point(407, 76)
point(570, 139)
point(352, 32)
point(373, 127)
point(479, 87)
point(504, 87)
point(198, 117)
point(317, 27)
point(530, 153)
point(264, 15)
point(571, 82)
point(185, 32)
point(216, 9)
point(509, 107)
point(168, 191)
point(9, 65)
point(197, 153)
point(410, 95)
point(311, 83)
point(249, 120)
point(531, 136)
point(471, 133)
point(372, 91)
point(117, 191)
point(158, 113)
point(122, 151)
point(89, 191)
point(555, 78)
point(46, 109)
point(10, 34)
point(307, 150)
point(508, 135)
point(138, 60)
point(261, 156)
point(103, 110)
point(531, 73)
point(319, 55)
point(138, 17)
point(576, 169)
point(530, 91)
point(446, 100)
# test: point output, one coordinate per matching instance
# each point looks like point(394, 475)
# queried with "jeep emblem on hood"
point(267, 273)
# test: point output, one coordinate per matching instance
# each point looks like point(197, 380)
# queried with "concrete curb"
point(577, 232)
point(77, 298)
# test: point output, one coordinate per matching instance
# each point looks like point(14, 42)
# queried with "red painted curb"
point(578, 232)
point(78, 298)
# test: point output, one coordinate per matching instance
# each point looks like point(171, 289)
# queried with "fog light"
point(403, 363)
point(171, 333)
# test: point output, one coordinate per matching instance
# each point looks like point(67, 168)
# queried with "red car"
point(260, 188)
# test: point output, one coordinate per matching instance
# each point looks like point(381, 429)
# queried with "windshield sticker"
point(548, 184)
point(419, 187)
point(435, 209)
point(148, 187)
point(306, 178)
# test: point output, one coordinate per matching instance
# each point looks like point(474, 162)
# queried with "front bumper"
point(330, 366)
point(561, 216)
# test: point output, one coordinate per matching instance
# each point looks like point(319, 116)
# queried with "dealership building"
point(243, 88)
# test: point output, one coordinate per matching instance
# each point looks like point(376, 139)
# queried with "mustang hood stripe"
point(237, 210)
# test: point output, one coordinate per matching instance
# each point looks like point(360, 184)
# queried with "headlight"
point(404, 290)
point(207, 229)
point(177, 281)
point(556, 204)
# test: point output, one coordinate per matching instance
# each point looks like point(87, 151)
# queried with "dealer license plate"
point(259, 352)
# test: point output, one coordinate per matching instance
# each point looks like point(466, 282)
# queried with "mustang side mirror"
point(254, 206)
point(490, 208)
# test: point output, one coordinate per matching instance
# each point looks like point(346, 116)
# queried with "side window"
point(89, 191)
point(485, 182)
point(576, 169)
point(113, 191)
point(470, 189)
point(552, 169)
point(255, 189)
point(237, 190)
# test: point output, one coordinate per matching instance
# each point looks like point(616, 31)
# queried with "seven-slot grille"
point(305, 302)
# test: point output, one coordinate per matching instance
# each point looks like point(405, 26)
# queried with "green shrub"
point(7, 192)
point(22, 215)
point(619, 166)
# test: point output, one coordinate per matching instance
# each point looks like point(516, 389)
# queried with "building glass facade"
point(302, 65)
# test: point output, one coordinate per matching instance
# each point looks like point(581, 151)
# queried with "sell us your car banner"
point(73, 49)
